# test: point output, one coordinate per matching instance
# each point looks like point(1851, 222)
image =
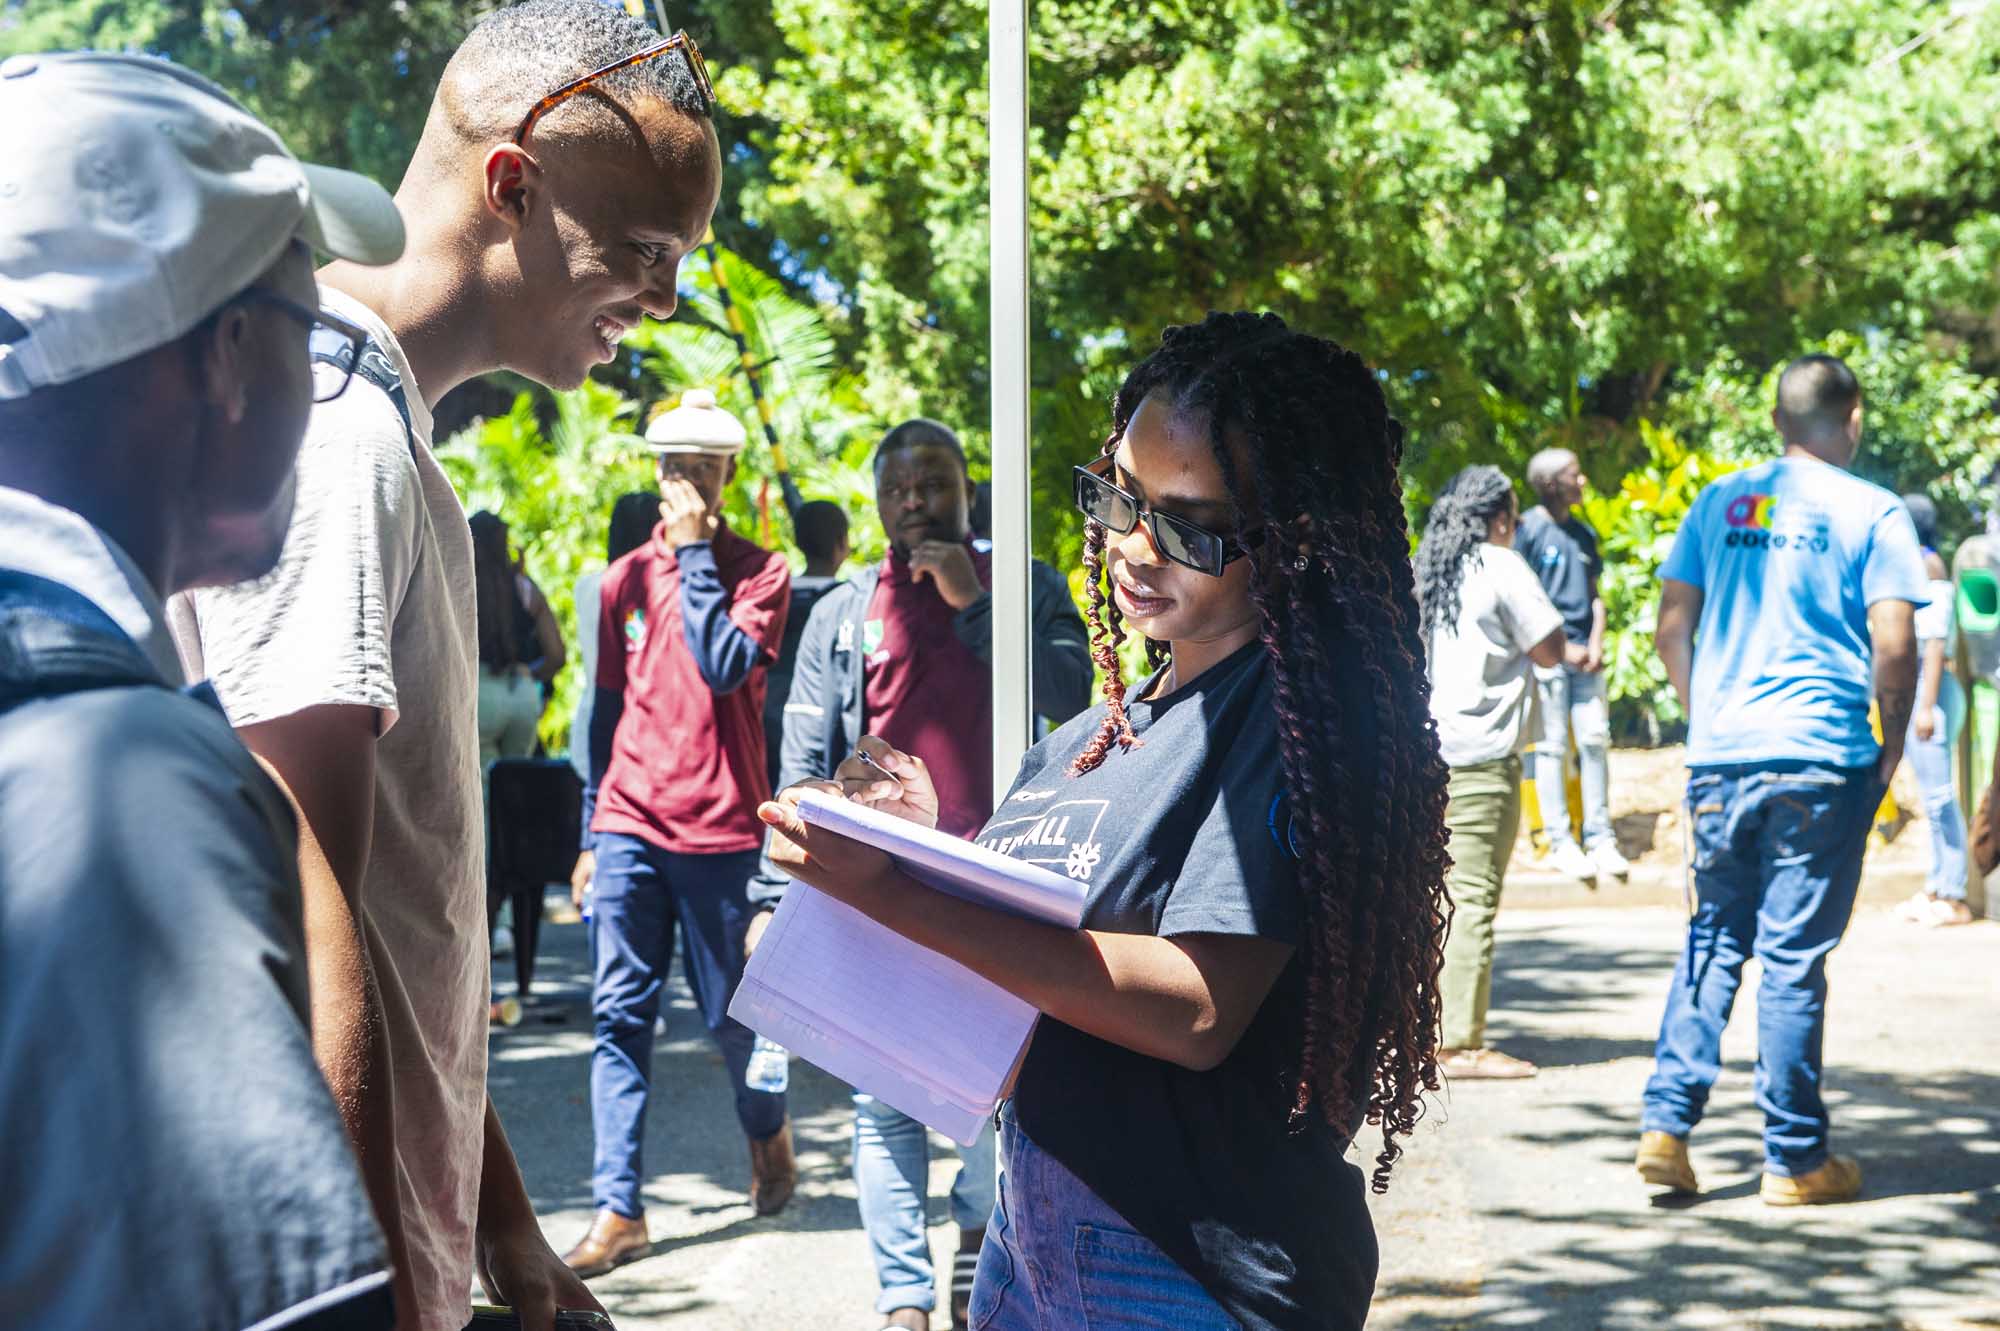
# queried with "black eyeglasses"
point(331, 373)
point(680, 41)
point(1184, 542)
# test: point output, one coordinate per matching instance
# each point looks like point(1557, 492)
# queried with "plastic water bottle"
point(770, 1067)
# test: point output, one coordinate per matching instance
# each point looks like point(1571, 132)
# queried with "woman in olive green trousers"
point(1486, 618)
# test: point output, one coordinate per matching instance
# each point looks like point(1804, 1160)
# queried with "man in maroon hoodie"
point(688, 625)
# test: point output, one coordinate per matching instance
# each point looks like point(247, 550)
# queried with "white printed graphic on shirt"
point(1063, 837)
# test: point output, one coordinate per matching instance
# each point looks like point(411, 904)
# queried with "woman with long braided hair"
point(1486, 618)
point(1261, 828)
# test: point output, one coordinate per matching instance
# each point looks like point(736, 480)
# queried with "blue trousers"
point(892, 1166)
point(641, 892)
point(1931, 761)
point(1057, 1256)
point(1777, 861)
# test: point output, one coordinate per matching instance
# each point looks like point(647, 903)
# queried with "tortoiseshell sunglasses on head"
point(680, 41)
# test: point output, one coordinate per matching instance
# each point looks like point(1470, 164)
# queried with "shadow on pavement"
point(1559, 1234)
point(1551, 971)
point(1774, 1269)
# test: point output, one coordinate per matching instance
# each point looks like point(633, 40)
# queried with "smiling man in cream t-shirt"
point(536, 241)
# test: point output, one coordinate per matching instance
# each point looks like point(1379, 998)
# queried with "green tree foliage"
point(1545, 223)
point(1536, 219)
point(554, 484)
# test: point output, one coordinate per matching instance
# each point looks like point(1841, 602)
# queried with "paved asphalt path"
point(1514, 1206)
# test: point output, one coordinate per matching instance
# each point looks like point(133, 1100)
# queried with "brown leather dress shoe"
point(773, 1172)
point(612, 1241)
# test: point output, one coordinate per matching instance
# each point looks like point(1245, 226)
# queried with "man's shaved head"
point(518, 55)
point(570, 239)
point(1545, 469)
point(546, 253)
point(1817, 396)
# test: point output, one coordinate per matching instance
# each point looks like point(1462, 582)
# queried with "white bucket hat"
point(697, 425)
point(136, 199)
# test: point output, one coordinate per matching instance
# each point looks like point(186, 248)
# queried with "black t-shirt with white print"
point(1189, 833)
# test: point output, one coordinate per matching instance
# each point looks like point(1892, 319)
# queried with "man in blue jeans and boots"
point(904, 651)
point(688, 625)
point(1791, 592)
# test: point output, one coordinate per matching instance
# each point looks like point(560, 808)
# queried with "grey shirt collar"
point(54, 543)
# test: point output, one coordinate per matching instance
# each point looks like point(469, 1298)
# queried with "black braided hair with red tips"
point(1339, 622)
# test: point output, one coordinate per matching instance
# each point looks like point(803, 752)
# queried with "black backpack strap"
point(55, 640)
point(373, 364)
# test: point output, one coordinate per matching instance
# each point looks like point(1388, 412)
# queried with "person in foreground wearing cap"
point(549, 206)
point(688, 625)
point(171, 1157)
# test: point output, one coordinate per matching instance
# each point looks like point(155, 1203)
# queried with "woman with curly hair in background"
point(1261, 825)
point(1485, 618)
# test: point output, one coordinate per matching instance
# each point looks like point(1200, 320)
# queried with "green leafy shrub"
point(1636, 525)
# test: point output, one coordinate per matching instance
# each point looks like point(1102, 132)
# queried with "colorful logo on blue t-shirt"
point(1751, 511)
point(1753, 521)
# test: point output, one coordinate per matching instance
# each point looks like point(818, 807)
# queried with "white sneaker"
point(1567, 858)
point(1609, 862)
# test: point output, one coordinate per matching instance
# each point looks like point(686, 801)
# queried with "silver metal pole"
point(1007, 131)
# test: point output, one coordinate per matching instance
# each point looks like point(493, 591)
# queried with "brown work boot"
point(773, 1172)
point(1663, 1162)
point(613, 1240)
point(1838, 1180)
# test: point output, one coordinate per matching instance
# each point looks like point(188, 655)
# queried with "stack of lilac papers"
point(900, 1022)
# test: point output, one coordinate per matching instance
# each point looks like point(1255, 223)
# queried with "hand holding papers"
point(894, 1019)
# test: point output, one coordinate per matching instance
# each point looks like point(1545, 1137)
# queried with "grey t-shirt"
point(1191, 833)
point(1482, 696)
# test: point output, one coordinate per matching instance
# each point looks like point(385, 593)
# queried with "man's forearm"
point(1892, 641)
point(1677, 655)
point(1895, 692)
point(349, 1043)
point(323, 759)
point(503, 1195)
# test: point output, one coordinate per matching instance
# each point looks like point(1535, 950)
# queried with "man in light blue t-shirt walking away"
point(1789, 598)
